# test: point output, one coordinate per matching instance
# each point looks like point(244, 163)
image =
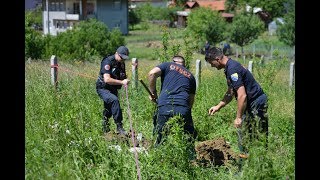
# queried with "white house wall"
point(114, 13)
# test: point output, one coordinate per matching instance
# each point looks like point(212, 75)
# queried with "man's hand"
point(153, 98)
point(237, 122)
point(213, 110)
point(125, 82)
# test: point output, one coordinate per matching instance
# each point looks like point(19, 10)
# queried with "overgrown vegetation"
point(63, 132)
point(88, 41)
point(63, 137)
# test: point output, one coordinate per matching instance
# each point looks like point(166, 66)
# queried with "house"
point(60, 15)
point(32, 4)
point(272, 26)
point(215, 5)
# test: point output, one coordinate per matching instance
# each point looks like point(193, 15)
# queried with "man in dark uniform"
point(111, 77)
point(226, 49)
point(178, 87)
point(206, 47)
point(251, 100)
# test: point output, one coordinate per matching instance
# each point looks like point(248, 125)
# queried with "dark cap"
point(123, 52)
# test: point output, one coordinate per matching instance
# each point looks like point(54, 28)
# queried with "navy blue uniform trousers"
point(255, 121)
point(111, 104)
point(166, 112)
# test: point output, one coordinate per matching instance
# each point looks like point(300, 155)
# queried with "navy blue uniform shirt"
point(176, 85)
point(116, 70)
point(237, 75)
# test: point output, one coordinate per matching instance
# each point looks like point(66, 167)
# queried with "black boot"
point(105, 125)
point(120, 129)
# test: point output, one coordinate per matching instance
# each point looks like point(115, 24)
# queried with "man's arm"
point(153, 75)
point(108, 79)
point(226, 99)
point(242, 104)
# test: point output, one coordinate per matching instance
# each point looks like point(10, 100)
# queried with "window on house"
point(116, 24)
point(76, 8)
point(57, 5)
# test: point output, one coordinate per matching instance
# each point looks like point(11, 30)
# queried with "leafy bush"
point(205, 24)
point(88, 38)
point(34, 43)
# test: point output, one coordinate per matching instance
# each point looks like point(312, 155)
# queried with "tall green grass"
point(64, 139)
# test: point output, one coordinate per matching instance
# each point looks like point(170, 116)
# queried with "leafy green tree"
point(245, 28)
point(231, 5)
point(34, 17)
point(205, 24)
point(147, 12)
point(286, 31)
point(133, 18)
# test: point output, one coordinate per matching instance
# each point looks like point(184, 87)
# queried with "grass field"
point(63, 136)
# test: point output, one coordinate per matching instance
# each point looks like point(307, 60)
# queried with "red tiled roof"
point(214, 5)
point(190, 4)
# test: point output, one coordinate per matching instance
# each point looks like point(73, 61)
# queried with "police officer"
point(111, 77)
point(206, 47)
point(178, 87)
point(251, 100)
point(226, 49)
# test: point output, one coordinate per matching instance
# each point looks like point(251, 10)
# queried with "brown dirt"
point(214, 152)
point(115, 137)
point(153, 44)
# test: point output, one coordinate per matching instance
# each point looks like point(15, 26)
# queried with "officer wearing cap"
point(178, 88)
point(111, 77)
point(251, 100)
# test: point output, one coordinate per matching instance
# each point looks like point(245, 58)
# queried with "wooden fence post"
point(271, 52)
point(250, 66)
point(134, 72)
point(291, 81)
point(237, 52)
point(262, 59)
point(198, 72)
point(54, 70)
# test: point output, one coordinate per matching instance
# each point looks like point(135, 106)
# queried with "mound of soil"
point(214, 152)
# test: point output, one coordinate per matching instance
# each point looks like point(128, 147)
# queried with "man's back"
point(176, 84)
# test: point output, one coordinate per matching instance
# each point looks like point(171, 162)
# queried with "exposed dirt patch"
point(154, 44)
point(214, 152)
point(139, 140)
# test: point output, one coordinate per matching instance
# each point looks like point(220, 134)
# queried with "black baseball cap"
point(123, 52)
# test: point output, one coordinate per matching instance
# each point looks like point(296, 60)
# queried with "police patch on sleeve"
point(107, 67)
point(234, 77)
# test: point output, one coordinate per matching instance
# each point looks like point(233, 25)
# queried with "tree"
point(205, 24)
point(286, 31)
point(133, 18)
point(244, 29)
